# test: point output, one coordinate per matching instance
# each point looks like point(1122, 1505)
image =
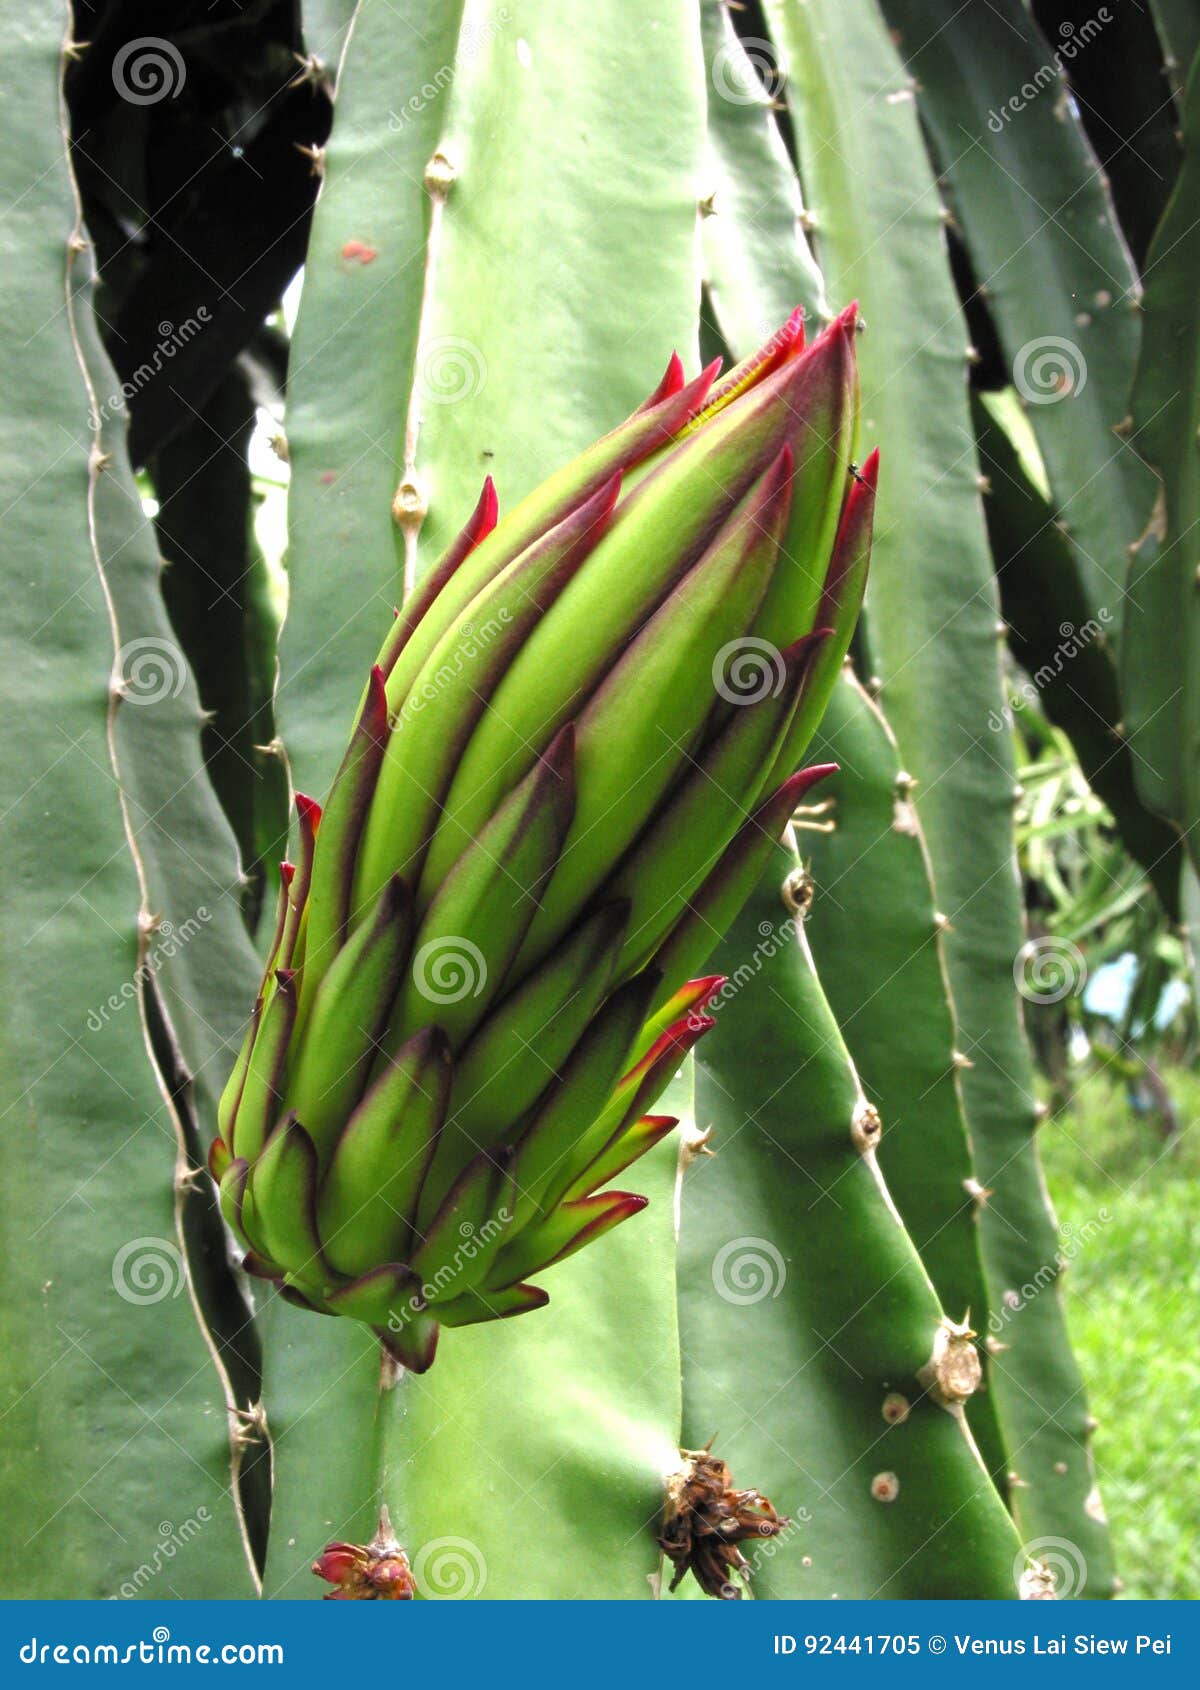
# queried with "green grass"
point(1132, 1299)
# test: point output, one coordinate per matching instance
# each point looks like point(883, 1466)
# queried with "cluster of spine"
point(569, 766)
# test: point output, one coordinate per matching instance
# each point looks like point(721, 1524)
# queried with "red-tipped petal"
point(375, 708)
point(691, 400)
point(670, 1048)
point(851, 548)
point(484, 516)
point(478, 526)
point(696, 993)
point(626, 1146)
point(805, 779)
point(309, 812)
point(670, 384)
point(785, 344)
point(287, 872)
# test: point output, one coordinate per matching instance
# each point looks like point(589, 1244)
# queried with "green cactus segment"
point(757, 261)
point(932, 632)
point(555, 120)
point(99, 1327)
point(1178, 26)
point(1030, 200)
point(1160, 676)
point(794, 1261)
point(873, 929)
point(326, 25)
point(1058, 643)
point(351, 363)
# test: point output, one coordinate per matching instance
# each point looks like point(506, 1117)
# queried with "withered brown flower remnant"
point(367, 1572)
point(705, 1520)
